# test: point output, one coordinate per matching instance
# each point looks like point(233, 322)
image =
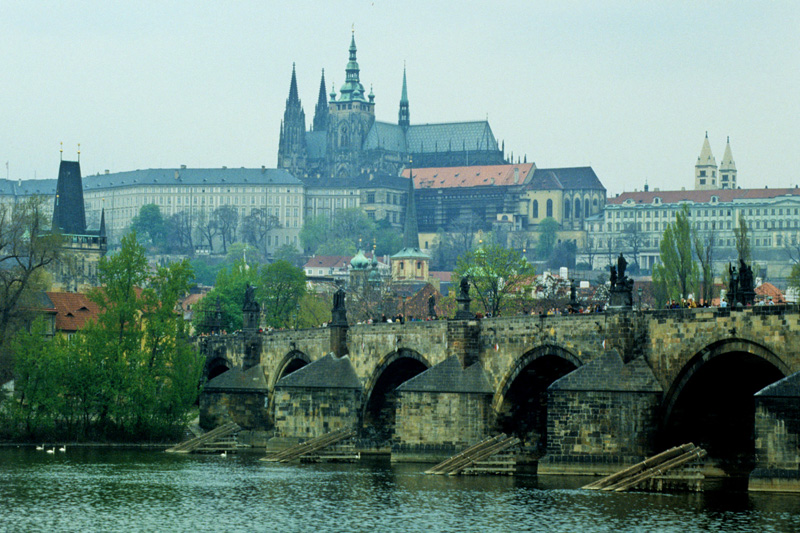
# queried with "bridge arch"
point(710, 402)
point(290, 362)
point(217, 365)
point(379, 400)
point(520, 403)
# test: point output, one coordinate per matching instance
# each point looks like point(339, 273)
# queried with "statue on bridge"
point(251, 311)
point(621, 289)
point(463, 299)
point(432, 307)
point(741, 285)
point(339, 313)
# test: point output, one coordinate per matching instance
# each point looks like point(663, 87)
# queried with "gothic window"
point(549, 208)
point(586, 207)
point(535, 209)
point(567, 204)
point(577, 208)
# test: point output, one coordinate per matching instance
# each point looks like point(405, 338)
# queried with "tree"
point(563, 255)
point(132, 374)
point(314, 232)
point(742, 237)
point(677, 274)
point(256, 228)
point(704, 249)
point(226, 220)
point(206, 229)
point(179, 234)
point(229, 289)
point(634, 239)
point(496, 273)
point(150, 224)
point(26, 250)
point(590, 250)
point(290, 254)
point(282, 286)
point(548, 234)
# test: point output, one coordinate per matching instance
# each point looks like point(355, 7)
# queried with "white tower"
point(705, 171)
point(727, 169)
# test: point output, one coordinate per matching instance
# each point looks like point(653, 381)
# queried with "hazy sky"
point(629, 88)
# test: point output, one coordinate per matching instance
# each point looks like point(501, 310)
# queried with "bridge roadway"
point(585, 392)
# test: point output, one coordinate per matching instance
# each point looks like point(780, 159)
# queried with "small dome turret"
point(359, 262)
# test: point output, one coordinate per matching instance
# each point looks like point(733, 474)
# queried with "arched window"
point(536, 209)
point(586, 207)
point(549, 208)
point(567, 205)
point(577, 208)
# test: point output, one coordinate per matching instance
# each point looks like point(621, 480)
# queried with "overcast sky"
point(629, 88)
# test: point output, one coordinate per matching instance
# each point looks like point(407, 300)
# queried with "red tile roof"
point(770, 291)
point(724, 195)
point(73, 310)
point(478, 176)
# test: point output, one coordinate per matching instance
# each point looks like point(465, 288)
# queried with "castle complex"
point(346, 141)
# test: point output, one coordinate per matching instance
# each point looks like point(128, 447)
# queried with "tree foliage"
point(495, 273)
point(132, 374)
point(27, 248)
point(548, 235)
point(150, 225)
point(350, 230)
point(677, 275)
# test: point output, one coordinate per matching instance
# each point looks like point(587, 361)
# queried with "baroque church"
point(346, 141)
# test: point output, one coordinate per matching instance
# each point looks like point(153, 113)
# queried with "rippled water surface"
point(113, 490)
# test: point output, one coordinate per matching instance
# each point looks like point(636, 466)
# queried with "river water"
point(86, 489)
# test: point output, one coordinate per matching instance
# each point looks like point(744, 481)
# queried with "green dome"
point(359, 262)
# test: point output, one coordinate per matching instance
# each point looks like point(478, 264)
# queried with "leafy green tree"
point(281, 288)
point(226, 220)
point(496, 273)
point(337, 246)
point(548, 235)
point(315, 310)
point(742, 236)
point(314, 232)
point(229, 289)
point(677, 274)
point(290, 254)
point(150, 224)
point(132, 374)
point(26, 250)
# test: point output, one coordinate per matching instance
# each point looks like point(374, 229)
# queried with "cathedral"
point(346, 141)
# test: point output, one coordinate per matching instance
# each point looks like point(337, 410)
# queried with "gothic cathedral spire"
point(292, 144)
point(321, 111)
point(404, 117)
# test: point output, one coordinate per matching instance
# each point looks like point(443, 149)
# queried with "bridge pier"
point(442, 411)
point(601, 417)
point(777, 433)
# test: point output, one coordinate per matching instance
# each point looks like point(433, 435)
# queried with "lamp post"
point(639, 291)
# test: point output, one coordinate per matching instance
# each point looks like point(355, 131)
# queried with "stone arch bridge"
point(587, 393)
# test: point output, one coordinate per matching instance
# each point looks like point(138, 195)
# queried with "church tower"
point(705, 171)
point(350, 118)
point(292, 144)
point(410, 264)
point(321, 111)
point(727, 169)
point(404, 117)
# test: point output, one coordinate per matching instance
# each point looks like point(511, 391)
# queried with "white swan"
point(51, 451)
point(40, 448)
point(63, 448)
point(224, 454)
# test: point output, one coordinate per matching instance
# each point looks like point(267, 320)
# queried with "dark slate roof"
point(192, 176)
point(608, 373)
point(330, 372)
point(448, 376)
point(565, 178)
point(455, 136)
point(723, 195)
point(386, 136)
point(788, 387)
point(316, 144)
point(68, 210)
point(27, 187)
point(236, 379)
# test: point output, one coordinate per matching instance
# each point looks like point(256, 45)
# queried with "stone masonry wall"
point(434, 426)
point(245, 408)
point(598, 431)
point(777, 430)
point(311, 412)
